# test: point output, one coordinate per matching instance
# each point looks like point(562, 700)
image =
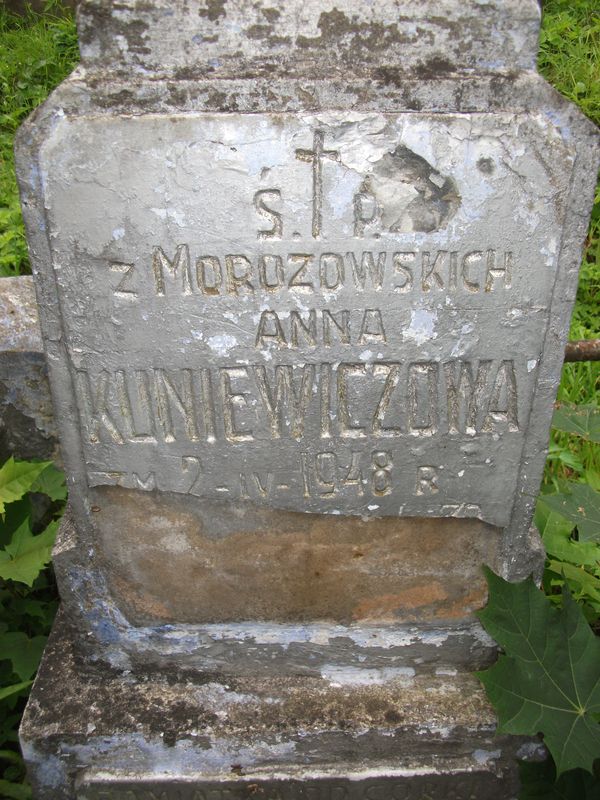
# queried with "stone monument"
point(305, 272)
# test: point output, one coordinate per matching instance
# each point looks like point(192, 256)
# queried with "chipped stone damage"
point(223, 735)
point(411, 194)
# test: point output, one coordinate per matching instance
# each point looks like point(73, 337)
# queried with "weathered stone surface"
point(338, 38)
point(305, 274)
point(304, 646)
point(344, 569)
point(321, 357)
point(27, 428)
point(95, 734)
point(351, 302)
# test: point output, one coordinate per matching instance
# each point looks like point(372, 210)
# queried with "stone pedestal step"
point(92, 733)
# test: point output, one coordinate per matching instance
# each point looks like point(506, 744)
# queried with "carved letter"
point(401, 265)
point(269, 329)
point(335, 262)
point(493, 271)
point(124, 288)
point(503, 405)
point(273, 196)
point(367, 266)
point(308, 330)
point(182, 398)
point(430, 270)
point(236, 282)
point(366, 210)
point(214, 265)
point(468, 261)
point(346, 428)
point(127, 410)
point(423, 407)
point(391, 381)
point(426, 481)
point(343, 326)
point(95, 404)
point(231, 399)
point(372, 329)
point(325, 385)
point(286, 404)
point(263, 263)
point(304, 260)
point(181, 262)
point(464, 394)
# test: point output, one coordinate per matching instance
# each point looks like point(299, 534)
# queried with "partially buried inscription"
point(339, 313)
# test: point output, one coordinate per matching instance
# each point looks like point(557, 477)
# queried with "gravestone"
point(305, 273)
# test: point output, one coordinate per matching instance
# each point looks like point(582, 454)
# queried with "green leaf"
point(24, 558)
point(580, 581)
point(583, 421)
point(17, 478)
point(550, 522)
point(566, 549)
point(51, 482)
point(15, 791)
point(538, 782)
point(9, 691)
point(592, 478)
point(556, 533)
point(14, 516)
point(24, 653)
point(36, 609)
point(10, 755)
point(581, 505)
point(549, 680)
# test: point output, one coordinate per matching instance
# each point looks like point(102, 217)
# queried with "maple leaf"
point(51, 481)
point(581, 506)
point(548, 681)
point(26, 555)
point(23, 652)
point(17, 478)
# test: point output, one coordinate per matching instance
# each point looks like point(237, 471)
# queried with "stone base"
point(94, 734)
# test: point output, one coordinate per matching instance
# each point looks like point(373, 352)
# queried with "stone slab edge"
point(307, 37)
point(85, 724)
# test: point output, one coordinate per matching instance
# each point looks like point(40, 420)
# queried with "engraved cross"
point(315, 157)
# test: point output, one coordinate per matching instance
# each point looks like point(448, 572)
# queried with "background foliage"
point(32, 497)
point(36, 53)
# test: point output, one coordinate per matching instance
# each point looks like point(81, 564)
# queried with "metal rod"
point(583, 350)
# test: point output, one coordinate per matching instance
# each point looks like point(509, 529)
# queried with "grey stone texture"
point(305, 273)
point(27, 428)
point(372, 734)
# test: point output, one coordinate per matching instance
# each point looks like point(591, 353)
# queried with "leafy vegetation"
point(32, 497)
point(36, 53)
point(548, 679)
point(570, 60)
point(568, 510)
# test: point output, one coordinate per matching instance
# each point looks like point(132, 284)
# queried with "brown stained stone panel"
point(173, 558)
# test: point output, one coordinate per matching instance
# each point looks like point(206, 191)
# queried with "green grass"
point(36, 53)
point(570, 60)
